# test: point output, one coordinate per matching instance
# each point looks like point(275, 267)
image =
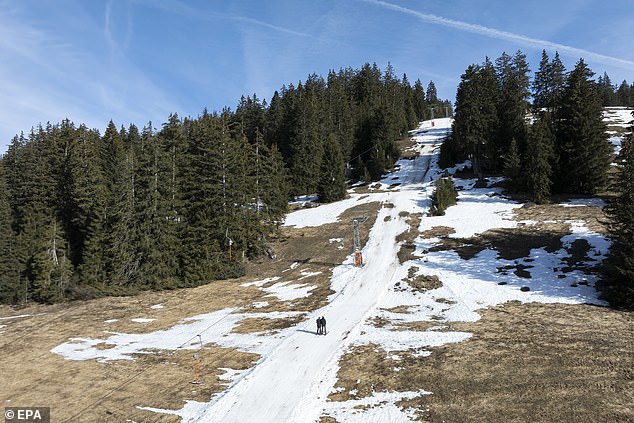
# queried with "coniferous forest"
point(556, 144)
point(84, 214)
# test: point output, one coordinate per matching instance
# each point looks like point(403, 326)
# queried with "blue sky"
point(135, 61)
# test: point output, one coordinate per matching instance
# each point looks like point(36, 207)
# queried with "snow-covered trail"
point(292, 382)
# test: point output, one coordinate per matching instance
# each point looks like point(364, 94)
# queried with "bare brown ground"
point(524, 362)
point(89, 391)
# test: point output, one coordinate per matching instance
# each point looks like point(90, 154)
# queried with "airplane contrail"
point(504, 35)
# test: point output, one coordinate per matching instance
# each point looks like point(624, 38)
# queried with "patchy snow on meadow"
point(380, 407)
point(215, 328)
point(297, 370)
point(324, 213)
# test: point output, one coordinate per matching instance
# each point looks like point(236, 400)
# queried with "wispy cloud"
point(181, 8)
point(507, 36)
point(268, 25)
point(48, 75)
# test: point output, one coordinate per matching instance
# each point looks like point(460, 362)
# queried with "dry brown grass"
point(524, 363)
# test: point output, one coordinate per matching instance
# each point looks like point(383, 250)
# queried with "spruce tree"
point(431, 95)
point(541, 84)
point(121, 259)
point(582, 147)
point(624, 95)
point(9, 270)
point(332, 181)
point(606, 90)
point(88, 196)
point(420, 103)
point(512, 164)
point(476, 116)
point(621, 212)
point(512, 74)
point(50, 269)
point(539, 169)
point(444, 196)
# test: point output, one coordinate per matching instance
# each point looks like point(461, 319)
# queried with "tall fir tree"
point(582, 148)
point(512, 166)
point(620, 263)
point(512, 75)
point(332, 181)
point(10, 272)
point(539, 160)
point(476, 117)
point(121, 259)
point(49, 268)
point(420, 103)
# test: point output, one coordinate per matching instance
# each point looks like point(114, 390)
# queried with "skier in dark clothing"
point(319, 326)
point(323, 325)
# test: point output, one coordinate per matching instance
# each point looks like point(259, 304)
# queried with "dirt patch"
point(438, 232)
point(400, 309)
point(253, 324)
point(420, 283)
point(406, 252)
point(510, 243)
point(531, 362)
point(594, 217)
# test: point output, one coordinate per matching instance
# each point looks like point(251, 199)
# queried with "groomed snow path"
point(292, 383)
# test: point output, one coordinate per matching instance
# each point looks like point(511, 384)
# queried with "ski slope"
point(298, 369)
point(292, 383)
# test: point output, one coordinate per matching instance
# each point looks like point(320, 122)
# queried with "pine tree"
point(539, 168)
point(476, 115)
point(512, 163)
point(332, 181)
point(121, 259)
point(624, 95)
point(606, 90)
point(582, 147)
point(9, 270)
point(542, 84)
point(512, 75)
point(49, 268)
point(444, 196)
point(620, 263)
point(431, 95)
point(420, 103)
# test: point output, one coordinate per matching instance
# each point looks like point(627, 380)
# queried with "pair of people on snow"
point(321, 325)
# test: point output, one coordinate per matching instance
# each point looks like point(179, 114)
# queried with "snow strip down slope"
point(298, 369)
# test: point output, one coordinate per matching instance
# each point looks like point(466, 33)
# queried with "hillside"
point(488, 313)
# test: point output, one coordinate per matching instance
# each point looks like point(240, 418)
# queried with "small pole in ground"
point(196, 357)
point(196, 382)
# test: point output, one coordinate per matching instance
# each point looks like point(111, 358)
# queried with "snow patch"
point(379, 407)
point(142, 320)
point(288, 291)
